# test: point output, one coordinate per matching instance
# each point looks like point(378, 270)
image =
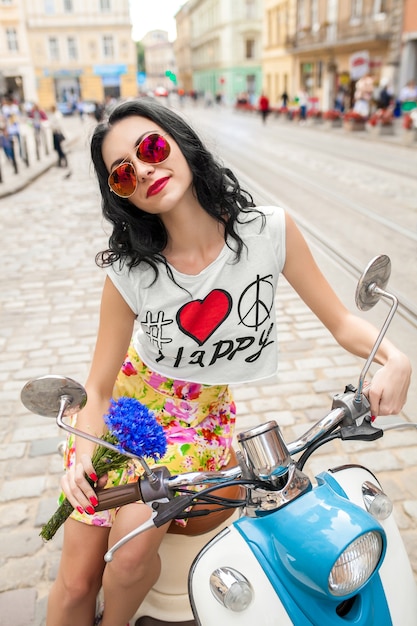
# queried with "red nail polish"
point(93, 500)
point(93, 476)
point(80, 510)
point(373, 418)
point(89, 510)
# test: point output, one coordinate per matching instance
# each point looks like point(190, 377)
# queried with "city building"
point(277, 60)
point(409, 43)
point(182, 49)
point(17, 73)
point(225, 47)
point(332, 45)
point(159, 62)
point(68, 50)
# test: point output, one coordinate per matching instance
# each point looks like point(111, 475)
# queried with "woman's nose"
point(143, 170)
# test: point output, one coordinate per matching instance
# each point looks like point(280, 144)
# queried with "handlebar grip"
point(118, 496)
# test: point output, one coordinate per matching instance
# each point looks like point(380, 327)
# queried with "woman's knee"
point(75, 589)
point(131, 564)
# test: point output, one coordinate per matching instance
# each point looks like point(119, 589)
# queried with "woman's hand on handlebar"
point(78, 489)
point(387, 393)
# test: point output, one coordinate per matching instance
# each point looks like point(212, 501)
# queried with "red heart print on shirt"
point(200, 318)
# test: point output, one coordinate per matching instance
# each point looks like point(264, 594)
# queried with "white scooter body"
point(169, 600)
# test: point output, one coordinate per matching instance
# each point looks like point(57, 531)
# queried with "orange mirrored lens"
point(153, 149)
point(123, 181)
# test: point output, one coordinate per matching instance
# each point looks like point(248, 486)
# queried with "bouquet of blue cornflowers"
point(131, 427)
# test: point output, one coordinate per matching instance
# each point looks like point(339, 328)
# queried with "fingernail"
point(93, 476)
point(90, 510)
point(373, 418)
point(80, 510)
point(93, 500)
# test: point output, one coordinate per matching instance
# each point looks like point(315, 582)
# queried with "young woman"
point(191, 272)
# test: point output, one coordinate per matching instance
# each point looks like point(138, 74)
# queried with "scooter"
point(293, 552)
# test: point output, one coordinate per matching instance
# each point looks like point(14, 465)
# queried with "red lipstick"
point(157, 186)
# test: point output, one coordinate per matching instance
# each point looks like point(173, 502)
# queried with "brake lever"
point(134, 533)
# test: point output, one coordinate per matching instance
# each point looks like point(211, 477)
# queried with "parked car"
point(65, 108)
point(161, 92)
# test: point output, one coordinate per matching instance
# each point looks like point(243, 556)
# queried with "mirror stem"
point(382, 333)
point(66, 401)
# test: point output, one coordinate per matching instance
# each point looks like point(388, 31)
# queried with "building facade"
point(159, 61)
point(78, 50)
point(278, 70)
point(17, 74)
point(182, 48)
point(225, 46)
point(408, 68)
point(327, 45)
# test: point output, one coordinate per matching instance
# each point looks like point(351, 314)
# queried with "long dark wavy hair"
point(139, 236)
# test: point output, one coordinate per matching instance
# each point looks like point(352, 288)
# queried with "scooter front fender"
point(395, 572)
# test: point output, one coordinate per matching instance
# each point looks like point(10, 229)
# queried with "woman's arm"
point(388, 391)
point(113, 339)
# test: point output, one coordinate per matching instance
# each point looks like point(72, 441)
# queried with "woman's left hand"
point(388, 391)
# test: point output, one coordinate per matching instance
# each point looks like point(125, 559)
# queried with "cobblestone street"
point(49, 303)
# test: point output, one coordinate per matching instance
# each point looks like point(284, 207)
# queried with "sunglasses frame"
point(127, 160)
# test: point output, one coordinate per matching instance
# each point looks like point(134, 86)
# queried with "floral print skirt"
point(198, 421)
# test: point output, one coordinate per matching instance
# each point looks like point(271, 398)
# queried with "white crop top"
point(219, 326)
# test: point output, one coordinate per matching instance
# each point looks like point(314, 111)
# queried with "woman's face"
point(160, 187)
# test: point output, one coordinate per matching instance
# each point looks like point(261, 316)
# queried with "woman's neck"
point(195, 239)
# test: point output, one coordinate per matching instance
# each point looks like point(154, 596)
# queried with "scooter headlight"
point(356, 564)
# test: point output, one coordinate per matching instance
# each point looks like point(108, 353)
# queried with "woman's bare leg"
point(135, 567)
point(72, 599)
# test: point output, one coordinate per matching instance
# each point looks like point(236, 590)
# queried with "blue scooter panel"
point(297, 547)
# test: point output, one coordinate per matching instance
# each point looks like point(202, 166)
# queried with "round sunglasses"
point(153, 149)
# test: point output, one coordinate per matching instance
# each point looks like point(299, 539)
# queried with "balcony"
point(359, 30)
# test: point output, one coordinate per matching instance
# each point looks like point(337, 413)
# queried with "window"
point(250, 9)
point(12, 42)
point(72, 48)
point(278, 26)
point(356, 9)
point(380, 6)
point(249, 49)
point(53, 49)
point(314, 15)
point(49, 7)
point(105, 6)
point(301, 15)
point(108, 47)
point(319, 74)
point(68, 8)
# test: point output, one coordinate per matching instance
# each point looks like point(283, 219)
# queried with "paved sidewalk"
point(74, 126)
point(49, 301)
point(13, 182)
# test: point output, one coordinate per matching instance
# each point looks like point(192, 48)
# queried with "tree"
point(140, 56)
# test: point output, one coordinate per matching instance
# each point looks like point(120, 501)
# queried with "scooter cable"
point(314, 446)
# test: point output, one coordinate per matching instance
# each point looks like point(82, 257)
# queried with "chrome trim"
point(200, 478)
point(328, 422)
point(262, 502)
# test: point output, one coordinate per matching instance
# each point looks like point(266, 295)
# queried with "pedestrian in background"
point(409, 92)
point(264, 107)
point(285, 99)
point(55, 120)
point(38, 118)
point(187, 243)
point(12, 116)
point(302, 104)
